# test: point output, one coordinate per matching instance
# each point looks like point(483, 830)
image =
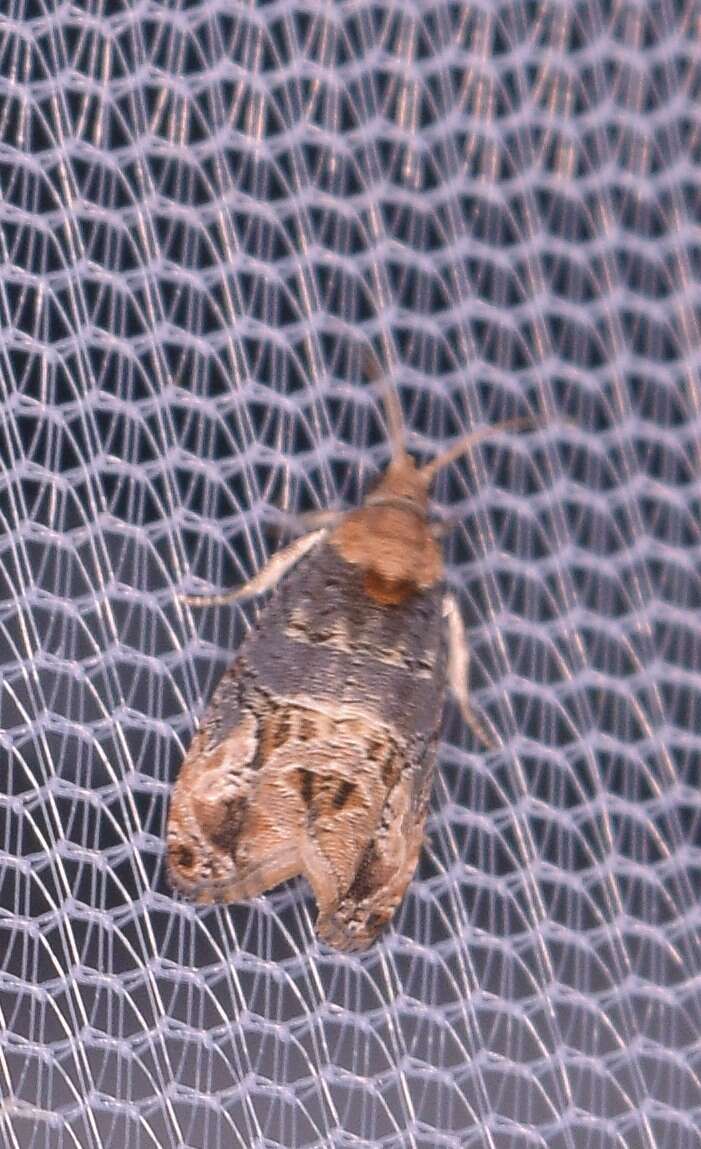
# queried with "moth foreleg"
point(458, 671)
point(268, 577)
point(311, 521)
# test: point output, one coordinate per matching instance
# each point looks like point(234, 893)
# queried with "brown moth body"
point(316, 754)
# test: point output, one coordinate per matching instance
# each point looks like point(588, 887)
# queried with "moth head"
point(391, 537)
point(404, 481)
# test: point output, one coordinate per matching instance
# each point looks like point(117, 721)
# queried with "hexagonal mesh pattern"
point(205, 207)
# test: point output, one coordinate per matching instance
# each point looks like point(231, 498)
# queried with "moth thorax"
point(395, 549)
point(387, 592)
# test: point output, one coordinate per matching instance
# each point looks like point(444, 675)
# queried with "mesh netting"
point(205, 207)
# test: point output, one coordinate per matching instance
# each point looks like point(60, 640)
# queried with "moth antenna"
point(390, 403)
point(430, 470)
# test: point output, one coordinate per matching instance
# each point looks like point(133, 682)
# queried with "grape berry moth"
point(317, 752)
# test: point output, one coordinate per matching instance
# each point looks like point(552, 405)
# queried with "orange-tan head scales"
point(390, 536)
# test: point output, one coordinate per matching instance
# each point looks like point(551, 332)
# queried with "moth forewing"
point(316, 753)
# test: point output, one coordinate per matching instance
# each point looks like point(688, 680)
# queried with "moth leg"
point(311, 521)
point(267, 577)
point(458, 671)
point(443, 526)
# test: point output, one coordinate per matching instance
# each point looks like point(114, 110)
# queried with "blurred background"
point(205, 208)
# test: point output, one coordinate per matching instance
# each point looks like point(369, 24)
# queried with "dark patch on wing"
point(342, 794)
point(182, 858)
point(365, 880)
point(224, 834)
point(376, 920)
point(306, 785)
point(391, 767)
point(383, 753)
point(273, 731)
point(283, 729)
point(376, 749)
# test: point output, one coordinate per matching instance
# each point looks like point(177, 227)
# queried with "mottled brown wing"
point(316, 754)
point(293, 789)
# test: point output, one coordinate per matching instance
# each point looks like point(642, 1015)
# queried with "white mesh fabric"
point(204, 208)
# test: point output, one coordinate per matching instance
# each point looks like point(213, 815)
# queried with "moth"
point(317, 752)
